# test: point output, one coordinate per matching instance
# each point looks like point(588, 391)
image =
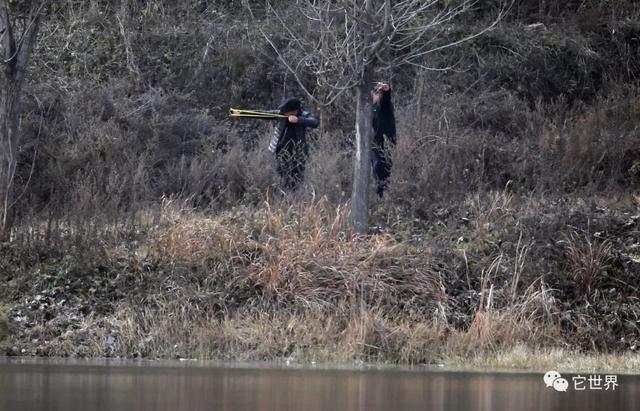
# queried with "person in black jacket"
point(289, 143)
point(384, 123)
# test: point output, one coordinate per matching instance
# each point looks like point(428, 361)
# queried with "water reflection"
point(54, 386)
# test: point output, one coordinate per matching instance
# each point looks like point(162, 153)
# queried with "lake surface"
point(120, 385)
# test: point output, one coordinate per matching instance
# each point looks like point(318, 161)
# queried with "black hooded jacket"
point(287, 135)
point(383, 120)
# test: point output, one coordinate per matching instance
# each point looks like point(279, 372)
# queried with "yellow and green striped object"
point(237, 112)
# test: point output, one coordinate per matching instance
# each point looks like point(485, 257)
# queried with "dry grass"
point(4, 323)
point(292, 282)
point(257, 335)
point(302, 255)
point(465, 268)
point(490, 209)
point(591, 145)
point(587, 259)
point(526, 319)
point(523, 356)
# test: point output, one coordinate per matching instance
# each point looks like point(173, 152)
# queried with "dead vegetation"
point(290, 281)
point(149, 225)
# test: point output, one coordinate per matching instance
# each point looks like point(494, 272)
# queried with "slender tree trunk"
point(322, 118)
point(14, 60)
point(419, 86)
point(362, 169)
point(9, 120)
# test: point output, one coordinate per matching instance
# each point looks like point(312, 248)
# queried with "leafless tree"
point(19, 21)
point(342, 44)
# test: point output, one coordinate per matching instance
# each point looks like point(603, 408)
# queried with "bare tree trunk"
point(419, 85)
point(14, 58)
point(362, 169)
point(8, 152)
point(322, 118)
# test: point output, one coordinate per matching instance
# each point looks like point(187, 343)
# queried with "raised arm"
point(307, 120)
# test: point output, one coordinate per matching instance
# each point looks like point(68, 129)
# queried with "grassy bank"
point(497, 280)
point(565, 360)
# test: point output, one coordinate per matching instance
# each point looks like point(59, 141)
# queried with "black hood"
point(292, 104)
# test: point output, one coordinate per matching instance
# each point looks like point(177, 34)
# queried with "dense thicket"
point(127, 101)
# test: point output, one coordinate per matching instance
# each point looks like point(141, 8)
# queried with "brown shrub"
point(301, 256)
point(587, 260)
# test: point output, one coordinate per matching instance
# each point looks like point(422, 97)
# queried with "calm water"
point(81, 386)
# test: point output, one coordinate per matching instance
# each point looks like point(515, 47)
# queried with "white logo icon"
point(550, 377)
point(555, 380)
point(560, 384)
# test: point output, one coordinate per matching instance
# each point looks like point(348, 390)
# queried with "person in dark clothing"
point(384, 124)
point(289, 143)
